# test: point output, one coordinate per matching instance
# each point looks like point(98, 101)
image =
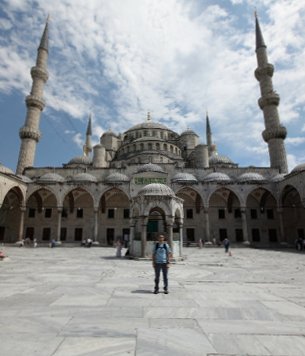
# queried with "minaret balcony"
point(39, 73)
point(270, 99)
point(26, 132)
point(279, 132)
point(261, 72)
point(32, 100)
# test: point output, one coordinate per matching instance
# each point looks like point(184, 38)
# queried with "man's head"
point(161, 238)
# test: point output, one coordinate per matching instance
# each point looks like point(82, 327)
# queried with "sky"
point(177, 59)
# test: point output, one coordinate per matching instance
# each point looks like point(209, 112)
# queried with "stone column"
point(244, 224)
point(180, 237)
point(144, 237)
point(169, 229)
point(95, 231)
point(207, 224)
point(21, 224)
point(282, 232)
point(131, 236)
point(59, 211)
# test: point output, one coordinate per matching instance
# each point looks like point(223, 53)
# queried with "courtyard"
point(84, 301)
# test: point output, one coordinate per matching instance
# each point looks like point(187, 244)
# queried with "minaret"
point(208, 134)
point(274, 133)
point(29, 133)
point(88, 146)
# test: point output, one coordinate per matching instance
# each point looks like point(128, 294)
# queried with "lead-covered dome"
point(50, 178)
point(84, 177)
point(278, 177)
point(156, 189)
point(217, 177)
point(6, 170)
point(186, 178)
point(250, 177)
point(299, 168)
point(25, 179)
point(148, 125)
point(150, 167)
point(117, 178)
point(219, 159)
point(80, 160)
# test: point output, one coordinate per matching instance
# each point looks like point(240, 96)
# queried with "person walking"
point(161, 256)
point(226, 244)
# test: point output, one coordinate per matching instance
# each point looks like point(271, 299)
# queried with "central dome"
point(148, 125)
point(156, 189)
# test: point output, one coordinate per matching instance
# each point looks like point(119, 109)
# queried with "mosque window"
point(158, 146)
point(32, 212)
point(165, 147)
point(134, 148)
point(189, 213)
point(126, 213)
point(2, 232)
point(223, 234)
point(270, 214)
point(171, 149)
point(48, 213)
point(64, 213)
point(79, 212)
point(63, 234)
point(239, 236)
point(145, 133)
point(78, 234)
point(253, 213)
point(110, 214)
point(221, 214)
point(46, 234)
point(142, 146)
point(150, 146)
point(237, 213)
point(161, 134)
point(256, 235)
point(272, 235)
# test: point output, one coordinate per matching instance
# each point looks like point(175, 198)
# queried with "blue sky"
point(176, 58)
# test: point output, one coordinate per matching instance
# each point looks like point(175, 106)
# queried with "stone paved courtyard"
point(79, 301)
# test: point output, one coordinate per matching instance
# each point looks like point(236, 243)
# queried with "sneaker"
point(165, 291)
point(156, 291)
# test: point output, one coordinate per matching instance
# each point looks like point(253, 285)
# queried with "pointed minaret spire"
point(29, 133)
point(44, 42)
point(87, 148)
point(208, 134)
point(274, 133)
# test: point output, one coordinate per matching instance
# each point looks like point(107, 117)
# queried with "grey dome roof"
point(50, 178)
point(217, 177)
point(278, 178)
point(184, 178)
point(156, 189)
point(4, 169)
point(150, 167)
point(116, 178)
point(250, 177)
point(25, 179)
point(148, 125)
point(80, 160)
point(84, 177)
point(188, 132)
point(217, 159)
point(299, 168)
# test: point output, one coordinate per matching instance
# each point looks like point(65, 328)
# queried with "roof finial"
point(148, 116)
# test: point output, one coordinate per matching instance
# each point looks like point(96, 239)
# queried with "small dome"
point(150, 167)
point(117, 178)
point(50, 178)
point(250, 177)
point(6, 170)
point(184, 178)
point(84, 177)
point(188, 132)
point(219, 159)
point(80, 160)
point(299, 168)
point(156, 189)
point(217, 177)
point(278, 178)
point(25, 179)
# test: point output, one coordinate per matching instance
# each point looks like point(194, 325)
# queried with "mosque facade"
point(150, 180)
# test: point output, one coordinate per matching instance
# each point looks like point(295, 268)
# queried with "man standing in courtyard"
point(161, 256)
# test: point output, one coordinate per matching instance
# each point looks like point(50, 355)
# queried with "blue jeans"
point(158, 268)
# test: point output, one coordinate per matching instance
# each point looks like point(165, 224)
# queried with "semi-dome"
point(6, 170)
point(150, 167)
point(80, 160)
point(156, 189)
point(184, 178)
point(50, 178)
point(278, 178)
point(117, 178)
point(299, 168)
point(217, 177)
point(219, 159)
point(250, 177)
point(84, 177)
